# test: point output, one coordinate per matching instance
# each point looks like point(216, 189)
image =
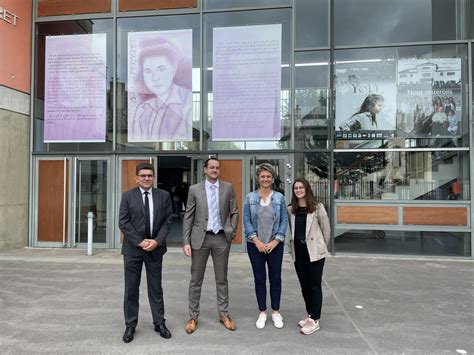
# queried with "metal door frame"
point(76, 180)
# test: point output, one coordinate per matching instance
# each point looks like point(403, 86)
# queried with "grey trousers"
point(219, 248)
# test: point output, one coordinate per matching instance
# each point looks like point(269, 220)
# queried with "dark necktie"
point(147, 216)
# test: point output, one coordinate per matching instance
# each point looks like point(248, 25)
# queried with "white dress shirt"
point(209, 211)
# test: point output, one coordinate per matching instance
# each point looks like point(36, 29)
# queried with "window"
point(146, 122)
point(378, 105)
point(311, 23)
point(237, 22)
point(371, 22)
point(55, 30)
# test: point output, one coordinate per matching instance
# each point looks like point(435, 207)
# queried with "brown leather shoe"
point(228, 323)
point(191, 326)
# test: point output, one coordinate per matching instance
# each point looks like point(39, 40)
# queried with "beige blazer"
point(318, 233)
point(196, 216)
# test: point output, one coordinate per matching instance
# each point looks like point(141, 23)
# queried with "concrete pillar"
point(14, 172)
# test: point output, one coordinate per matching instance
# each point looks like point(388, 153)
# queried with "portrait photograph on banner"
point(429, 98)
point(365, 100)
point(160, 104)
point(75, 88)
point(246, 83)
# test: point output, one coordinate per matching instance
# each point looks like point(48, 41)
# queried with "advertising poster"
point(160, 104)
point(246, 82)
point(75, 88)
point(365, 99)
point(429, 98)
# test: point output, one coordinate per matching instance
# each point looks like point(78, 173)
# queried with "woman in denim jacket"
point(265, 223)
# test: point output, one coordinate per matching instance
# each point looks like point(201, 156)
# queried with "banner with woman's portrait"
point(365, 100)
point(160, 86)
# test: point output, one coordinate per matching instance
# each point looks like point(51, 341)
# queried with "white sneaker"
point(277, 320)
point(310, 327)
point(262, 319)
point(302, 322)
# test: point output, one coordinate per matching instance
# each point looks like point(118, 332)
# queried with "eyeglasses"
point(144, 176)
point(298, 188)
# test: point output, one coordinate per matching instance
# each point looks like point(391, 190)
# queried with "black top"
point(300, 223)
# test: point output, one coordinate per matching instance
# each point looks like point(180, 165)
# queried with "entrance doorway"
point(66, 190)
point(240, 171)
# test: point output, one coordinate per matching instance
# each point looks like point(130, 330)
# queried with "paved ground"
point(63, 302)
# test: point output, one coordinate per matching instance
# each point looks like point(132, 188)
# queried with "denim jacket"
point(252, 201)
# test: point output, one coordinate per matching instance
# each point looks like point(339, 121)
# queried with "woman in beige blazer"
point(310, 234)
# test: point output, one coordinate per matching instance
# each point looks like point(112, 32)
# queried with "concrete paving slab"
point(60, 301)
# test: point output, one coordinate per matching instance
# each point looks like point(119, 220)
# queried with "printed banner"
point(246, 83)
point(75, 88)
point(366, 95)
point(429, 98)
point(160, 105)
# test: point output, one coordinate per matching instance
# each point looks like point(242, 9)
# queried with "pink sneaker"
point(302, 322)
point(310, 327)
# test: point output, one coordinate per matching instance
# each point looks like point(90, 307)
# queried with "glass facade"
point(375, 111)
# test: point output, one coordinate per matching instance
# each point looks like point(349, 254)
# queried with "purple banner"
point(75, 89)
point(160, 86)
point(246, 82)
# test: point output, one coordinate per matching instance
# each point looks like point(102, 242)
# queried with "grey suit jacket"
point(196, 216)
point(132, 221)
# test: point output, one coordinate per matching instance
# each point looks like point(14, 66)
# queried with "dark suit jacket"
point(132, 221)
point(196, 216)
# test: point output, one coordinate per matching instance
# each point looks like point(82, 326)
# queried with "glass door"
point(281, 183)
point(283, 168)
point(91, 187)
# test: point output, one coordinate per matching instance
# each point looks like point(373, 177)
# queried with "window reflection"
point(249, 18)
point(402, 175)
point(232, 4)
point(402, 242)
point(368, 22)
point(311, 100)
point(314, 168)
point(401, 97)
point(312, 23)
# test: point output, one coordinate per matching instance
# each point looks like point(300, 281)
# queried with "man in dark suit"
point(145, 220)
point(210, 224)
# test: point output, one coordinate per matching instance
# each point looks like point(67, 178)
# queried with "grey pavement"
point(64, 302)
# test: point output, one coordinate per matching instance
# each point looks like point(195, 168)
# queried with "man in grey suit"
point(210, 224)
point(145, 219)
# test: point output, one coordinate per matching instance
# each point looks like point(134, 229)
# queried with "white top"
point(267, 202)
point(210, 213)
point(150, 203)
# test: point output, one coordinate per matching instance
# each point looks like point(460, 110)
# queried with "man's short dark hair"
point(206, 163)
point(144, 166)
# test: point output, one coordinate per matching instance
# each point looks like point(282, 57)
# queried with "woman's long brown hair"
point(311, 201)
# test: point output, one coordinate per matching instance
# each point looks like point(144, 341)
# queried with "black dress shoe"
point(128, 335)
point(164, 332)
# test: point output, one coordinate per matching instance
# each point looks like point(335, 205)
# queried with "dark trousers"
point(310, 275)
point(274, 261)
point(133, 271)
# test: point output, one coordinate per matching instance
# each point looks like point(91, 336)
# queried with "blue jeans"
point(274, 261)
